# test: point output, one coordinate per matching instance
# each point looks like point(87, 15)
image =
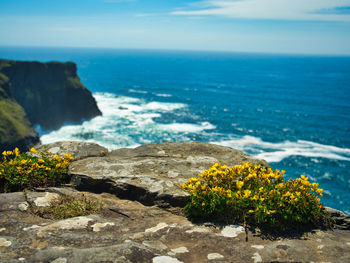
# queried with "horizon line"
point(183, 50)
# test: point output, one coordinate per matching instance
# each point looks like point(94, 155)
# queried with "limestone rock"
point(152, 174)
point(131, 232)
point(78, 150)
point(126, 230)
point(342, 221)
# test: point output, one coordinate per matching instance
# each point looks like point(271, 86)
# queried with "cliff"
point(15, 128)
point(142, 218)
point(49, 94)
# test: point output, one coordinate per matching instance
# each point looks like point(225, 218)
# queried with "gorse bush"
point(255, 195)
point(27, 170)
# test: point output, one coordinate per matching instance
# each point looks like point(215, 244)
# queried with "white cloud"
point(272, 9)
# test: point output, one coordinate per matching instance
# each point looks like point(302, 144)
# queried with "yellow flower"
point(67, 156)
point(59, 159)
point(287, 194)
point(319, 191)
point(251, 211)
point(40, 160)
point(4, 153)
point(246, 193)
point(255, 197)
point(314, 185)
point(23, 161)
point(32, 150)
point(16, 151)
point(280, 185)
point(239, 184)
point(304, 178)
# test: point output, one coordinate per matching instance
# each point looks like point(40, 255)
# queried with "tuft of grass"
point(68, 206)
point(255, 195)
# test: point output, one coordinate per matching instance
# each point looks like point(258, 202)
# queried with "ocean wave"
point(126, 122)
point(187, 127)
point(276, 152)
point(163, 95)
point(137, 91)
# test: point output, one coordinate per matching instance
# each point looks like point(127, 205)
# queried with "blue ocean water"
point(290, 110)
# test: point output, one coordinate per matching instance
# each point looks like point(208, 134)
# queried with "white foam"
point(187, 127)
point(126, 122)
point(163, 95)
point(275, 152)
point(137, 91)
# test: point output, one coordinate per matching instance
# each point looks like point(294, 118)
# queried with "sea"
point(291, 110)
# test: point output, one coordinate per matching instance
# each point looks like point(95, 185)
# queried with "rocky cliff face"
point(50, 93)
point(15, 128)
point(142, 219)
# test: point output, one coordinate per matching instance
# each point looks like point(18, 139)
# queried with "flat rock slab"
point(152, 174)
point(127, 231)
point(77, 149)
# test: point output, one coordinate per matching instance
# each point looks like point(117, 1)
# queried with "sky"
point(268, 26)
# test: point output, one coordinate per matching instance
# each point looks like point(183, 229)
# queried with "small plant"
point(27, 170)
point(255, 195)
point(68, 206)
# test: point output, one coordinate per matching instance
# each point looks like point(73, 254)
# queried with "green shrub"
point(255, 195)
point(68, 206)
point(23, 170)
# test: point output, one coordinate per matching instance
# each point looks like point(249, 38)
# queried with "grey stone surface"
point(126, 230)
point(131, 232)
point(77, 149)
point(152, 174)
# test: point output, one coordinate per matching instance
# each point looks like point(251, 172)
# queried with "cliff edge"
point(15, 128)
point(48, 94)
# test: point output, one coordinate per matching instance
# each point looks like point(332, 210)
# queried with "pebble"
point(59, 260)
point(198, 230)
point(258, 246)
point(215, 256)
point(165, 259)
point(256, 257)
point(156, 228)
point(180, 250)
point(45, 200)
point(4, 242)
point(232, 231)
point(98, 226)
